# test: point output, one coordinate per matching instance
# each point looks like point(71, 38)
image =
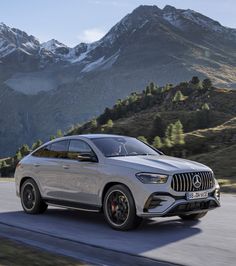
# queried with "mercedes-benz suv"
point(121, 176)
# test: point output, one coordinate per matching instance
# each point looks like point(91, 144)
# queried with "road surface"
point(212, 241)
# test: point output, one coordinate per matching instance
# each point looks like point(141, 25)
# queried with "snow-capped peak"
point(2, 26)
point(12, 39)
point(181, 18)
point(53, 45)
point(202, 20)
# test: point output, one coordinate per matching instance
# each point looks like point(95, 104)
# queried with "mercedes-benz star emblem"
point(197, 181)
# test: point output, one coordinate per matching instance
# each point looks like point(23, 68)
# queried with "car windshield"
point(123, 146)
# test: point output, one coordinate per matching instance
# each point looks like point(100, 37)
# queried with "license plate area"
point(196, 195)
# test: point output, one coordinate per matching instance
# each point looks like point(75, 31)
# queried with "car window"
point(55, 150)
point(59, 149)
point(78, 147)
point(123, 146)
point(42, 152)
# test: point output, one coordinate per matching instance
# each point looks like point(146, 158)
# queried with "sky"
point(75, 21)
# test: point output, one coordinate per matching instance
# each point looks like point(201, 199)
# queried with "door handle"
point(66, 166)
point(36, 165)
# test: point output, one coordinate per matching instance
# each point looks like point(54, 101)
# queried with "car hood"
point(159, 164)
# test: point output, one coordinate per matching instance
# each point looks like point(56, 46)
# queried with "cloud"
point(91, 35)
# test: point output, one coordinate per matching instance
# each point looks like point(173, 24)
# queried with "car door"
point(80, 182)
point(49, 167)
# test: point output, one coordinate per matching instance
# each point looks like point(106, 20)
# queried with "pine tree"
point(205, 107)
point(110, 123)
point(157, 142)
point(178, 97)
point(152, 87)
point(3, 164)
point(195, 83)
point(59, 133)
point(105, 116)
point(166, 88)
point(24, 150)
point(178, 137)
point(142, 138)
point(184, 85)
point(195, 80)
point(159, 126)
point(148, 90)
point(118, 103)
point(159, 90)
point(94, 123)
point(206, 84)
point(167, 143)
point(132, 98)
point(37, 144)
point(18, 156)
point(170, 132)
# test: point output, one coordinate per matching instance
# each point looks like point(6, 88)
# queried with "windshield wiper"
point(116, 155)
point(138, 154)
point(141, 154)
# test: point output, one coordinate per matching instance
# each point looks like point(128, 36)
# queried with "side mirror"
point(87, 157)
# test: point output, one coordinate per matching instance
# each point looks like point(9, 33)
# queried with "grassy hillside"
point(208, 117)
point(192, 120)
point(136, 114)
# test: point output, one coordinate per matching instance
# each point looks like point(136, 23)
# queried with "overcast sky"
point(74, 21)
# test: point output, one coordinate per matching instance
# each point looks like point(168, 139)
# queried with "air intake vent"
point(194, 181)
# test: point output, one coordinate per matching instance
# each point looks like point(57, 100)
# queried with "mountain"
point(47, 86)
point(136, 114)
point(208, 117)
point(191, 121)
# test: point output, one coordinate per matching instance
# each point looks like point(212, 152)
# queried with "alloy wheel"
point(29, 197)
point(117, 207)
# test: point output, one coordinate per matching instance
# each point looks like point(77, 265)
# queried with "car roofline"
point(82, 136)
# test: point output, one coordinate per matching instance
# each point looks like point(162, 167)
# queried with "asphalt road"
point(212, 241)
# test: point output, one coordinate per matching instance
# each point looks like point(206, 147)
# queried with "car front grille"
point(187, 181)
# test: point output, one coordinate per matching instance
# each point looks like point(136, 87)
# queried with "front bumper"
point(193, 207)
point(161, 204)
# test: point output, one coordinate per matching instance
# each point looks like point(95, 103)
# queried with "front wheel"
point(196, 216)
point(119, 208)
point(31, 200)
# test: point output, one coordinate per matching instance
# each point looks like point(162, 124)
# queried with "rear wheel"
point(119, 208)
point(31, 199)
point(196, 216)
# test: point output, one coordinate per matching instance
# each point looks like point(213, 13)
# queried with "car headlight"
point(152, 178)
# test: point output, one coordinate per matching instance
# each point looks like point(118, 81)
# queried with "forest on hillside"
point(192, 120)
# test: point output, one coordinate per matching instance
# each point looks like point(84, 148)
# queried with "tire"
point(190, 217)
point(119, 209)
point(31, 199)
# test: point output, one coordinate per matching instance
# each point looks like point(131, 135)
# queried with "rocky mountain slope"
point(46, 86)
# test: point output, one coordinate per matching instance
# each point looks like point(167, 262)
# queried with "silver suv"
point(123, 177)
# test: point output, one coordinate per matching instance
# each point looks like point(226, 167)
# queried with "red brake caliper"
point(113, 207)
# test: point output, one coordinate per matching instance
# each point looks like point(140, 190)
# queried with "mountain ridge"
point(169, 13)
point(207, 116)
point(48, 86)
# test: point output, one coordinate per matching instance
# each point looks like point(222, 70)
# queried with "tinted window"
point(78, 147)
point(55, 150)
point(59, 149)
point(123, 146)
point(43, 152)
